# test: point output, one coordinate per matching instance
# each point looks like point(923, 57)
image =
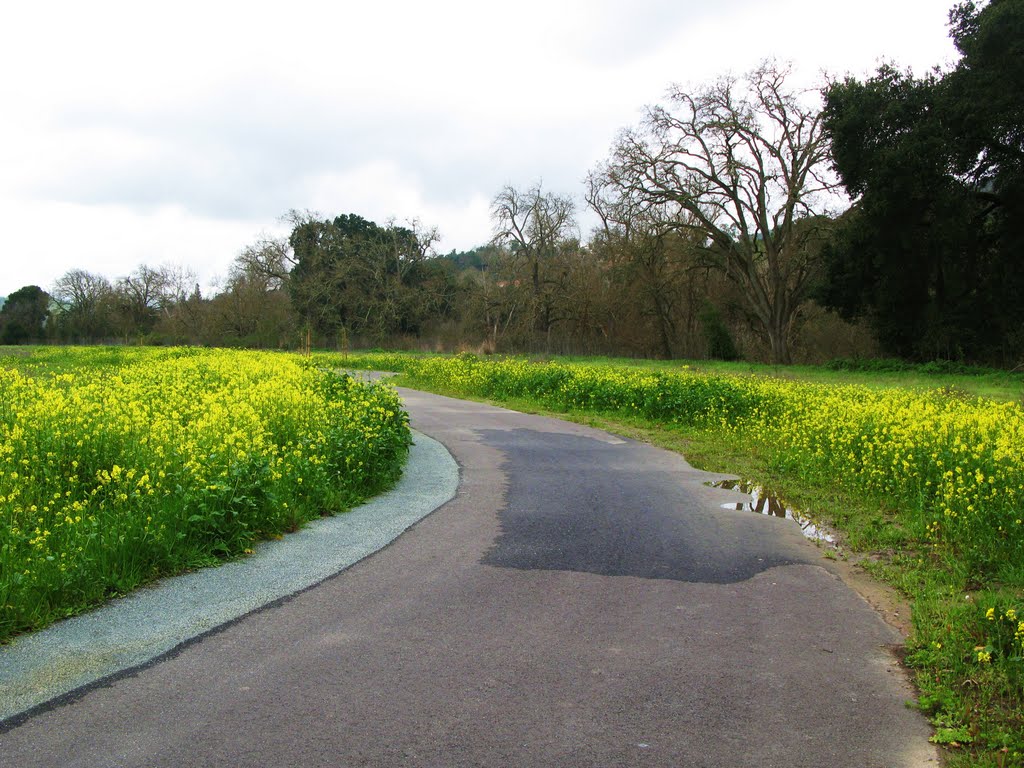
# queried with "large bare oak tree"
point(742, 164)
point(537, 227)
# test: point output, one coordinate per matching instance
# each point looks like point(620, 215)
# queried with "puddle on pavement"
point(764, 503)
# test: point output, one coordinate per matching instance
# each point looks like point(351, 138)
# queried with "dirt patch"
point(892, 607)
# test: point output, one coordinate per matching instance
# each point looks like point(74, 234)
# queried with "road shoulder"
point(38, 669)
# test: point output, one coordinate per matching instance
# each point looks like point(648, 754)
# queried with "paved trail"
point(582, 601)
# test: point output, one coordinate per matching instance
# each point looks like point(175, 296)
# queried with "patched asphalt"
point(622, 521)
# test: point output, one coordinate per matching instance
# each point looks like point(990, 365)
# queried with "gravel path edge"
point(45, 667)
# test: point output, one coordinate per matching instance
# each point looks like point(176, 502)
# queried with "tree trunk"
point(664, 326)
point(778, 338)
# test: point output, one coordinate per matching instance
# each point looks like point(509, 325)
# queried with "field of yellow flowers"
point(944, 471)
point(121, 465)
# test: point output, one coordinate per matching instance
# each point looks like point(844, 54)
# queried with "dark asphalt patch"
point(579, 504)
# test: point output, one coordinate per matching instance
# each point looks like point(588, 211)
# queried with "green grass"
point(981, 382)
point(924, 482)
point(1000, 385)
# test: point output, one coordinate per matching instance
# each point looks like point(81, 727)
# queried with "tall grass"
point(121, 465)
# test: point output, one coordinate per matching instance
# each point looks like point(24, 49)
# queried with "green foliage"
point(479, 258)
point(932, 367)
point(24, 315)
point(351, 274)
point(951, 736)
point(930, 250)
point(985, 97)
point(717, 336)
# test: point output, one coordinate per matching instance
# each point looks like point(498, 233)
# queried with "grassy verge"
point(876, 374)
point(926, 487)
point(118, 466)
point(954, 378)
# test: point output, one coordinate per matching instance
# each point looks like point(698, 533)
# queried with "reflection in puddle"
point(764, 503)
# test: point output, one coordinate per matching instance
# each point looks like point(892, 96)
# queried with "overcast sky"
point(177, 134)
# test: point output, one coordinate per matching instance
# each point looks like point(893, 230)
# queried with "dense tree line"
point(722, 233)
point(631, 289)
point(930, 252)
point(23, 315)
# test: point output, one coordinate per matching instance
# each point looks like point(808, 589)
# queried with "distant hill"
point(3, 300)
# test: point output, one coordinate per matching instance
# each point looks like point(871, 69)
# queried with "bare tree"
point(176, 284)
point(84, 299)
point(536, 226)
point(649, 256)
point(149, 294)
point(269, 259)
point(245, 312)
point(742, 164)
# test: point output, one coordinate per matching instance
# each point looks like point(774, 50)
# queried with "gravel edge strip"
point(128, 632)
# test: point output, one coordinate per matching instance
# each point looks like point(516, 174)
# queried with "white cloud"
point(115, 240)
point(135, 133)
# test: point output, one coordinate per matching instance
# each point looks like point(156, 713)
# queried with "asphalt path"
point(583, 600)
